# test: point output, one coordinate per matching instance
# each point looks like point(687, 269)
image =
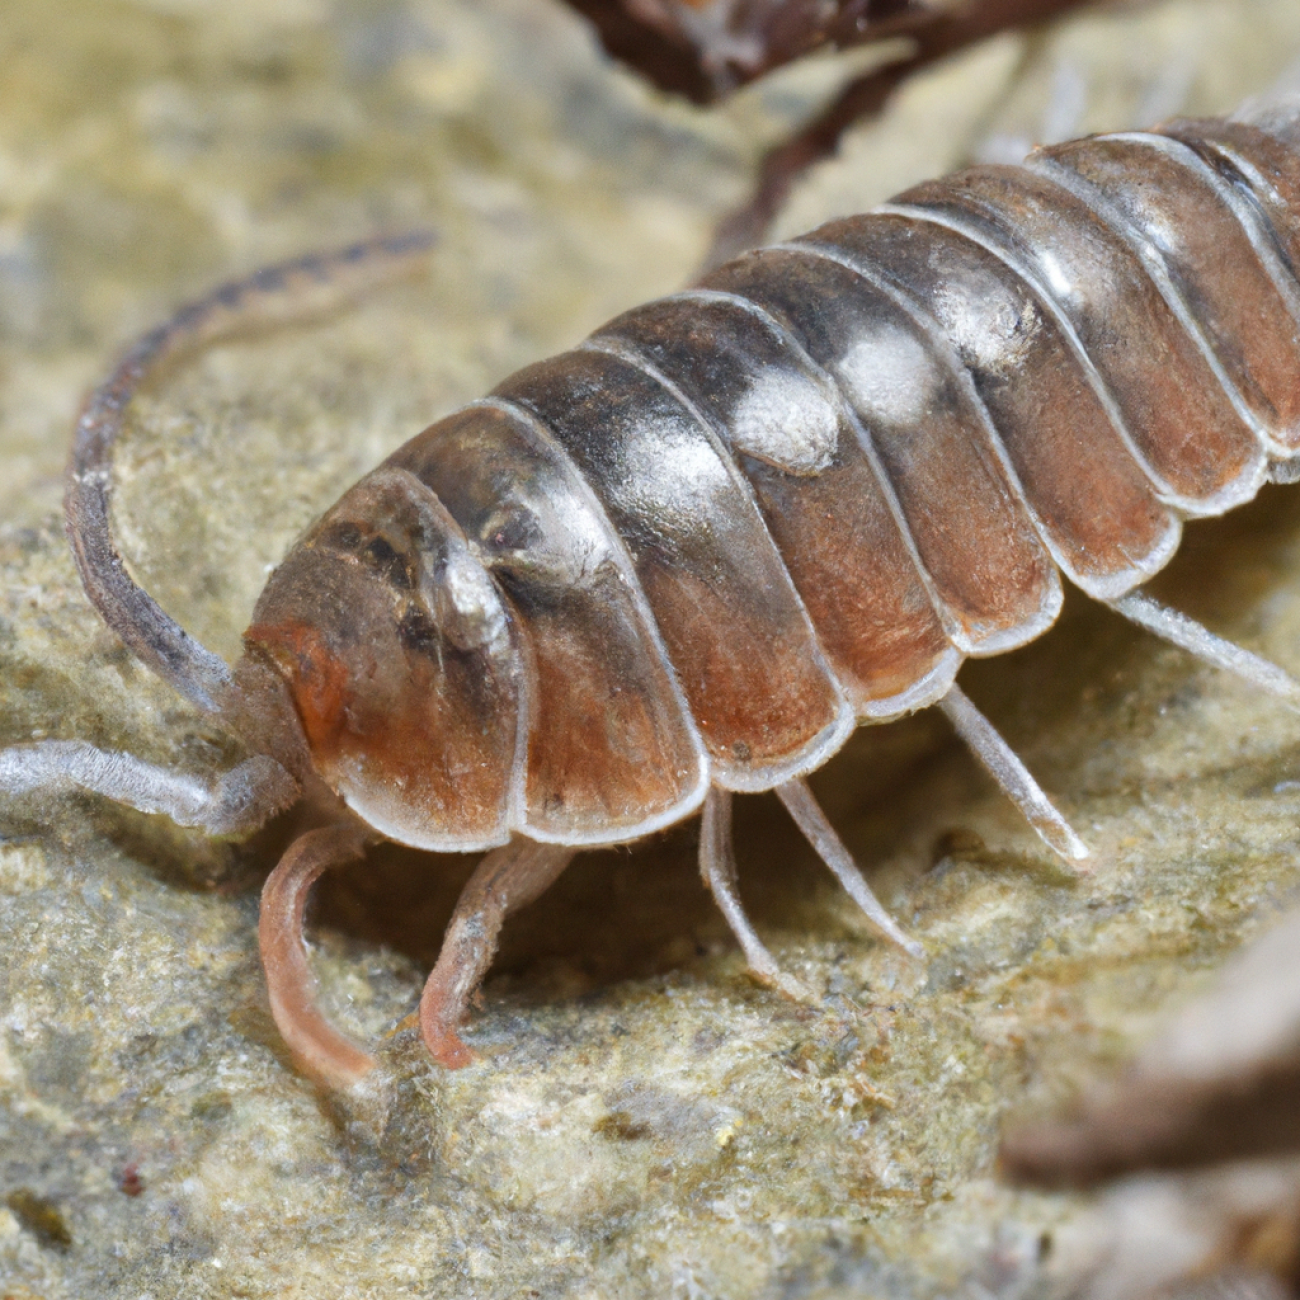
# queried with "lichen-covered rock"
point(642, 1119)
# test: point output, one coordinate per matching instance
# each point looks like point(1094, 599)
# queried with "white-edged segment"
point(749, 779)
point(1216, 505)
point(718, 867)
point(1004, 766)
point(1253, 223)
point(467, 594)
point(817, 457)
point(923, 692)
point(953, 630)
point(373, 814)
point(946, 355)
point(1189, 635)
point(803, 807)
point(786, 420)
point(1246, 485)
point(531, 426)
point(1285, 468)
point(816, 753)
point(1099, 588)
point(931, 687)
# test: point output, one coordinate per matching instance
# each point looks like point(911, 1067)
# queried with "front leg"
point(503, 882)
point(322, 1053)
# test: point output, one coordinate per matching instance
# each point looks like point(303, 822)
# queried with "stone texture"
point(643, 1120)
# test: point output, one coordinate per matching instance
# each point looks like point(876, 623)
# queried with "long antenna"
point(293, 291)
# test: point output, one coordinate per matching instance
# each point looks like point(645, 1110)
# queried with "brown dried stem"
point(943, 34)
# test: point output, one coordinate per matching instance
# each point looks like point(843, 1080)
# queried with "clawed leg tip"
point(446, 1047)
point(1073, 852)
point(337, 1076)
point(902, 941)
point(780, 982)
point(450, 1051)
point(1077, 850)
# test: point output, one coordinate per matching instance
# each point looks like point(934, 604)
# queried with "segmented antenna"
point(291, 292)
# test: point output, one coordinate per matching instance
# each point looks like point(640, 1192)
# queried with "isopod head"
point(399, 657)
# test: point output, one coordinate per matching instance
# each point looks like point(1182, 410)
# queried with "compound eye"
point(395, 568)
point(511, 530)
point(372, 549)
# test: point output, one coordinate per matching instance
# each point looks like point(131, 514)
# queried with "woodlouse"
point(690, 556)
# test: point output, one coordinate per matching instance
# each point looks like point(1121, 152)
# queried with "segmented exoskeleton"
point(690, 556)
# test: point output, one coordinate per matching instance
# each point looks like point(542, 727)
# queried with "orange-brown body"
point(738, 521)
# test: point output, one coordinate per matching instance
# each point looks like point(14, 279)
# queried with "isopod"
point(690, 556)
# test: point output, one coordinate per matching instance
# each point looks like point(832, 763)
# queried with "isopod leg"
point(718, 867)
point(506, 880)
point(1002, 764)
point(1189, 635)
point(320, 1050)
point(808, 816)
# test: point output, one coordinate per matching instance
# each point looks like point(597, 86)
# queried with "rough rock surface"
point(643, 1120)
